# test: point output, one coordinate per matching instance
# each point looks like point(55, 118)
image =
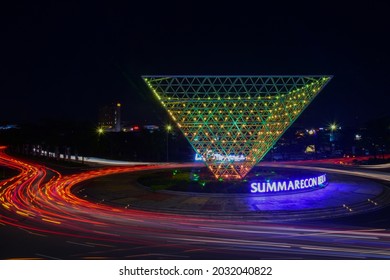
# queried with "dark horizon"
point(66, 60)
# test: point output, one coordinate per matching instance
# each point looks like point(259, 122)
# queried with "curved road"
point(38, 208)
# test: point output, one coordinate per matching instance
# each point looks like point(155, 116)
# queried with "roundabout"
point(158, 190)
point(105, 213)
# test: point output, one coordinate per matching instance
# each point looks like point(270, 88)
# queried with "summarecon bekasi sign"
point(288, 185)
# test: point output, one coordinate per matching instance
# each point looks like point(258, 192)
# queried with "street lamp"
point(100, 130)
point(168, 128)
point(333, 127)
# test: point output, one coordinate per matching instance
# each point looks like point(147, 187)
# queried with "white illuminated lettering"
point(271, 187)
point(321, 179)
point(254, 187)
point(296, 184)
point(198, 157)
point(280, 186)
point(262, 189)
point(218, 157)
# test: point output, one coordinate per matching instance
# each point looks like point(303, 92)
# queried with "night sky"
point(65, 60)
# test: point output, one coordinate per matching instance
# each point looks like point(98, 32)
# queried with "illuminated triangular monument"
point(233, 121)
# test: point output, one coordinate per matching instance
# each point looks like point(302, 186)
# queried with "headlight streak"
point(40, 199)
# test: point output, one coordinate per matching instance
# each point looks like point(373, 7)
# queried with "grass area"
point(201, 180)
point(180, 180)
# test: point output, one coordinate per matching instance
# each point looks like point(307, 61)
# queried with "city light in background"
point(148, 131)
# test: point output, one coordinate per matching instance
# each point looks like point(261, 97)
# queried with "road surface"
point(40, 217)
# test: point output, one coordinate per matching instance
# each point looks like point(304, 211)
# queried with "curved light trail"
point(371, 174)
point(40, 199)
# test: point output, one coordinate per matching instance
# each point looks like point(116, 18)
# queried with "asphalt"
point(343, 196)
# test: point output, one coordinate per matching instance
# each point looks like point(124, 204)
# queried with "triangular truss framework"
point(233, 121)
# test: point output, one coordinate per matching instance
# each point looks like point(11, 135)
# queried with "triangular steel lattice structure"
point(233, 121)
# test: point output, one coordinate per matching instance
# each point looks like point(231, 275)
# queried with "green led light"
point(232, 133)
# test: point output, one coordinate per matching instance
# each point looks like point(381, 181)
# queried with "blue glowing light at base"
point(288, 185)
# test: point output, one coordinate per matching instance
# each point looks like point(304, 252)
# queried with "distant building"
point(136, 128)
point(151, 127)
point(8, 126)
point(110, 118)
point(131, 128)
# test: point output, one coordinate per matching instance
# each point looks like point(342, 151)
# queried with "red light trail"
point(40, 199)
